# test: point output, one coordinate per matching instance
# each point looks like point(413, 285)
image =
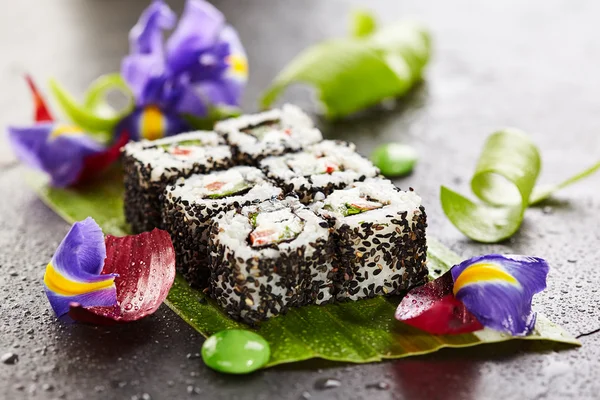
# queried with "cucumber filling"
point(226, 184)
point(263, 130)
point(274, 227)
point(180, 148)
point(354, 207)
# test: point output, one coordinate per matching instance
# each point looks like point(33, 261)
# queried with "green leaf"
point(358, 332)
point(362, 24)
point(94, 116)
point(504, 181)
point(352, 74)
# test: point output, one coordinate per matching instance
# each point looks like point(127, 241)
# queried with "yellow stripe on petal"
point(67, 287)
point(238, 65)
point(483, 273)
point(61, 130)
point(152, 123)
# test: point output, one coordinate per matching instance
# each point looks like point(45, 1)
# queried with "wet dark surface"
point(531, 65)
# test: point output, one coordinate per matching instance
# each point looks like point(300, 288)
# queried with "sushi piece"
point(151, 165)
point(268, 257)
point(322, 167)
point(271, 133)
point(191, 203)
point(379, 234)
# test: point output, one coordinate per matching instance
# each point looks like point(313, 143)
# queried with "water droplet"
point(128, 306)
point(327, 383)
point(47, 387)
point(378, 386)
point(193, 389)
point(10, 358)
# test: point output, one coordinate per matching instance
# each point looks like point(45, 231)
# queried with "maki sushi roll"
point(322, 167)
point(268, 257)
point(379, 233)
point(191, 203)
point(270, 133)
point(150, 166)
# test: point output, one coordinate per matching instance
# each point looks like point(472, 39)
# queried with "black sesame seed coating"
point(143, 196)
point(243, 157)
point(306, 191)
point(188, 224)
point(365, 251)
point(255, 289)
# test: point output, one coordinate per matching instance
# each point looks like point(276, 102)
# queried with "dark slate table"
point(532, 65)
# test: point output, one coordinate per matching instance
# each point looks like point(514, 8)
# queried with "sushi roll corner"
point(321, 168)
point(190, 204)
point(379, 231)
point(274, 132)
point(268, 257)
point(149, 166)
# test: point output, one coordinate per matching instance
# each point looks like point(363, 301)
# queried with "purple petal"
point(191, 102)
point(74, 274)
point(152, 123)
point(99, 298)
point(499, 289)
point(80, 256)
point(59, 155)
point(146, 61)
point(237, 60)
point(196, 33)
point(224, 92)
point(141, 71)
point(146, 36)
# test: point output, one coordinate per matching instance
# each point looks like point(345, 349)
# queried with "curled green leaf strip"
point(544, 192)
point(355, 73)
point(95, 115)
point(504, 182)
point(96, 96)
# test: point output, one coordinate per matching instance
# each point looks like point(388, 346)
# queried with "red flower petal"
point(434, 309)
point(146, 267)
point(41, 110)
point(97, 163)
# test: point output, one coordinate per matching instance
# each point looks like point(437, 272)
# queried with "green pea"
point(236, 351)
point(394, 159)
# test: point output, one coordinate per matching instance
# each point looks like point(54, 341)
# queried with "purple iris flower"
point(202, 65)
point(57, 149)
point(100, 280)
point(498, 290)
point(74, 274)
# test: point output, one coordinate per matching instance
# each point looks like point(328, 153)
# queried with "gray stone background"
point(532, 65)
